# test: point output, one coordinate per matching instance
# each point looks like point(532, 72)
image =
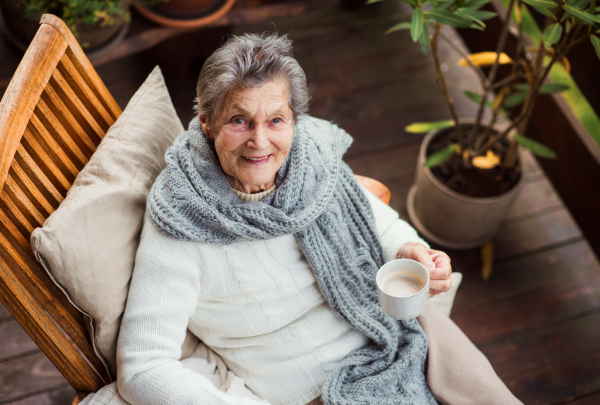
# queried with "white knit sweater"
point(256, 304)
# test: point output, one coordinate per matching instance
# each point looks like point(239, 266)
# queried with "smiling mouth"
point(256, 159)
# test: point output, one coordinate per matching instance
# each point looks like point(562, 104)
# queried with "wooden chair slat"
point(85, 94)
point(47, 293)
point(84, 66)
point(27, 186)
point(20, 221)
point(41, 183)
point(13, 231)
point(46, 334)
point(24, 90)
point(60, 133)
point(73, 113)
point(38, 154)
point(93, 131)
point(23, 202)
point(52, 148)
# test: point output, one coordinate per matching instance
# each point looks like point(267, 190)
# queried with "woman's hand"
point(435, 261)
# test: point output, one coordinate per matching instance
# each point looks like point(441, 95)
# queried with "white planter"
point(451, 219)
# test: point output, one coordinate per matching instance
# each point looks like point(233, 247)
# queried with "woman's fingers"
point(435, 261)
point(418, 252)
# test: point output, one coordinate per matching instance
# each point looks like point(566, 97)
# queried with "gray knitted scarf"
point(319, 201)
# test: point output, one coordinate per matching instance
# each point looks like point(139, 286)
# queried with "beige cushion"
point(88, 245)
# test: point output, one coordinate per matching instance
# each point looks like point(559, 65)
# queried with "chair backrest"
point(55, 112)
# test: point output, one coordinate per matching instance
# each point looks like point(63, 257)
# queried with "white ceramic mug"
point(404, 306)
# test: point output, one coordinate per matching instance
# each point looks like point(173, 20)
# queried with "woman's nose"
point(259, 139)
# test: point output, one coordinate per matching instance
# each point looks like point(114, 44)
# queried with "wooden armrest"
point(375, 187)
point(80, 396)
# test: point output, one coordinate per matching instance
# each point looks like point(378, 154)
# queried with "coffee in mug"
point(399, 284)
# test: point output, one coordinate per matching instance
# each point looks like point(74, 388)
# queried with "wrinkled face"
point(253, 135)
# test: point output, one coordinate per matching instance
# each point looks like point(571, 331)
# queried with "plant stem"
point(492, 75)
point(477, 69)
point(527, 109)
point(441, 81)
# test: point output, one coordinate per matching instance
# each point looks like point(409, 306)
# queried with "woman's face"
point(253, 135)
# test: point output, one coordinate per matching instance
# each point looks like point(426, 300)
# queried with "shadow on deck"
point(537, 319)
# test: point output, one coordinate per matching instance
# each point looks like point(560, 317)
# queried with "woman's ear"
point(205, 128)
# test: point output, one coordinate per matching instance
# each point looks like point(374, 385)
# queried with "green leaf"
point(416, 24)
point(424, 40)
point(541, 3)
point(423, 127)
point(537, 148)
point(439, 156)
point(372, 1)
point(547, 12)
point(596, 42)
point(476, 98)
point(552, 33)
point(514, 100)
point(475, 3)
point(448, 18)
point(475, 20)
point(405, 25)
point(545, 88)
point(479, 14)
point(582, 15)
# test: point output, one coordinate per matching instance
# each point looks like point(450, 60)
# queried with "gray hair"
point(249, 61)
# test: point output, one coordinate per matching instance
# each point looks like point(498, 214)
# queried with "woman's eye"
point(238, 120)
point(276, 120)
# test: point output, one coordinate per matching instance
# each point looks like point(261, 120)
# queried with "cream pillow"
point(88, 245)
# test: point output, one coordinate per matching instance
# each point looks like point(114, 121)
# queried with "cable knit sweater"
point(256, 304)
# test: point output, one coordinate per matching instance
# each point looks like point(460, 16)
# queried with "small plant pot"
point(20, 31)
point(187, 14)
point(451, 219)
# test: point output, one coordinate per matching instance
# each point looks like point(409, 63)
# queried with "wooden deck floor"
point(538, 317)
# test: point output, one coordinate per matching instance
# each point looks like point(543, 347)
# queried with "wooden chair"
point(53, 115)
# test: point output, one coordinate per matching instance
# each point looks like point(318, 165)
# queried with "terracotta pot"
point(187, 14)
point(21, 31)
point(451, 219)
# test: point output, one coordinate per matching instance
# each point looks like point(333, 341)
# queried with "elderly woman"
point(259, 240)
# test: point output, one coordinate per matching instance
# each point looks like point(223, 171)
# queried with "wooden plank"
point(28, 375)
point(27, 208)
point(38, 178)
point(535, 233)
point(15, 215)
point(529, 291)
point(27, 186)
point(83, 65)
point(84, 93)
point(45, 334)
point(60, 396)
point(569, 380)
point(24, 90)
point(49, 163)
point(53, 149)
point(538, 308)
point(536, 197)
point(523, 275)
point(544, 347)
point(60, 134)
point(15, 341)
point(66, 109)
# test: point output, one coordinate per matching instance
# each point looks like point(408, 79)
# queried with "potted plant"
point(186, 14)
point(469, 170)
point(95, 24)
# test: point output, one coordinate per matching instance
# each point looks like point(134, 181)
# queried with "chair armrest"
point(80, 396)
point(375, 187)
